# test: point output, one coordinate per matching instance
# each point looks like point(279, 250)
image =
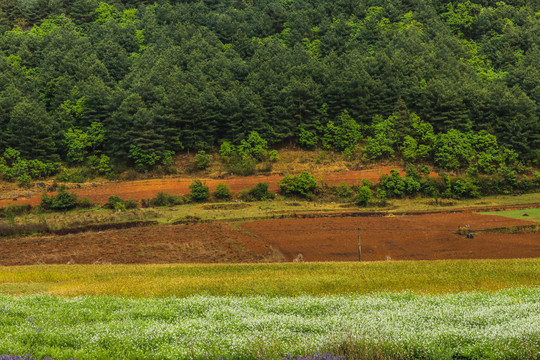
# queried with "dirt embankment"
point(145, 189)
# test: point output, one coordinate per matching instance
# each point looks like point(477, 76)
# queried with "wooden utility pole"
point(359, 246)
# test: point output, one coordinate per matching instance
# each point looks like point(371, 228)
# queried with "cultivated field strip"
point(465, 325)
point(284, 279)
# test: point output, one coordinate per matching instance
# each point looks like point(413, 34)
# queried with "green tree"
point(31, 130)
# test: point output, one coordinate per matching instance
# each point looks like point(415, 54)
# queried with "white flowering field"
point(467, 325)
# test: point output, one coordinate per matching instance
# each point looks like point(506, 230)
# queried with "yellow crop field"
point(292, 279)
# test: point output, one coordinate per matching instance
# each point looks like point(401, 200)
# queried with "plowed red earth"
point(145, 189)
point(420, 237)
point(203, 243)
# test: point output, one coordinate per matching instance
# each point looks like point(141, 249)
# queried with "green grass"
point(181, 280)
point(533, 214)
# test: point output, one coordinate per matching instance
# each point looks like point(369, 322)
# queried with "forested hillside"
point(131, 79)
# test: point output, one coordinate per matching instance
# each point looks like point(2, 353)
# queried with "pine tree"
point(30, 130)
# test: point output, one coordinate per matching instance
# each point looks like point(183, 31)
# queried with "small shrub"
point(258, 193)
point(199, 191)
point(367, 182)
point(343, 191)
point(143, 161)
point(202, 160)
point(100, 165)
point(131, 204)
point(25, 181)
point(273, 156)
point(115, 203)
point(303, 185)
point(222, 192)
point(164, 199)
point(364, 196)
point(381, 197)
point(61, 202)
point(84, 203)
point(71, 176)
point(255, 146)
point(393, 185)
point(307, 139)
point(241, 165)
point(226, 150)
point(465, 188)
point(351, 153)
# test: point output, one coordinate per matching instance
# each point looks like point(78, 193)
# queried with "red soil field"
point(145, 189)
point(418, 237)
point(203, 243)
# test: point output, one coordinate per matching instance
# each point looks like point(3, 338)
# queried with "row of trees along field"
point(136, 81)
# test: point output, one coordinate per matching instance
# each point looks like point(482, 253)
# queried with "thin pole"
point(359, 246)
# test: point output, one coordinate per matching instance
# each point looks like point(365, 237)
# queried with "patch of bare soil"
point(201, 243)
point(419, 237)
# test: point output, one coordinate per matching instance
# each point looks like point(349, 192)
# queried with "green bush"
point(307, 139)
point(303, 185)
point(241, 165)
point(273, 156)
point(100, 165)
point(202, 160)
point(199, 191)
point(255, 146)
point(131, 204)
point(222, 192)
point(412, 186)
point(381, 197)
point(453, 150)
point(364, 196)
point(71, 176)
point(344, 133)
point(465, 188)
point(61, 202)
point(226, 150)
point(393, 185)
point(164, 199)
point(143, 161)
point(25, 181)
point(258, 193)
point(115, 203)
point(84, 203)
point(384, 139)
point(343, 191)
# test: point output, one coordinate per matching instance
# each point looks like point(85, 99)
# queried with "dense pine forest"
point(134, 81)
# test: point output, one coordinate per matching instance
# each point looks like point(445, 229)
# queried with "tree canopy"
point(158, 77)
